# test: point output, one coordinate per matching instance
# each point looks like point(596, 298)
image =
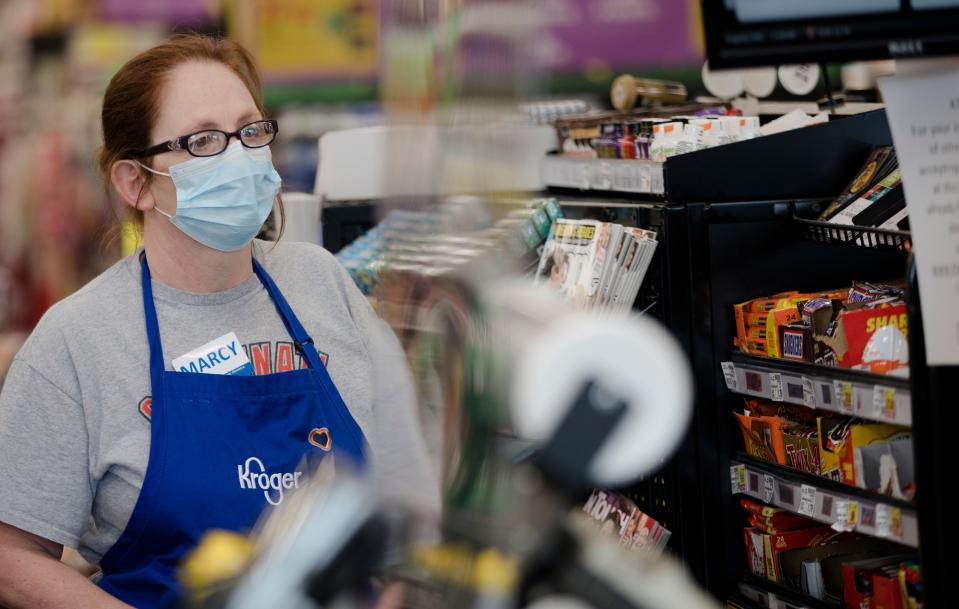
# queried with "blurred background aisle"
point(321, 61)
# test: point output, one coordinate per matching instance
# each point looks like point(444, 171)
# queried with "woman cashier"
point(108, 446)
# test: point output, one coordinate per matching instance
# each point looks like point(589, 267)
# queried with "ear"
point(130, 180)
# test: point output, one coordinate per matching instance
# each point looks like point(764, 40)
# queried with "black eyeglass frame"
point(182, 142)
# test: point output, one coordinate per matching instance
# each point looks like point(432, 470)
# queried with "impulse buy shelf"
point(878, 398)
point(813, 162)
point(844, 510)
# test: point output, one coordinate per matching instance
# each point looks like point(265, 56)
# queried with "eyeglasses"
point(211, 142)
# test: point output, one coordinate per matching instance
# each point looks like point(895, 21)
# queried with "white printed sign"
point(923, 113)
point(729, 373)
point(769, 488)
point(808, 392)
point(776, 386)
point(807, 502)
point(737, 479)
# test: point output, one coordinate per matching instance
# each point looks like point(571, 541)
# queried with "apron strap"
point(153, 329)
point(301, 339)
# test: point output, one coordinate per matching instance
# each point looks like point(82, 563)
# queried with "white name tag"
point(224, 355)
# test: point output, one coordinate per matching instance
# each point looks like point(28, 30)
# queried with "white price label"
point(585, 176)
point(883, 520)
point(737, 479)
point(807, 501)
point(623, 177)
point(604, 179)
point(852, 515)
point(729, 373)
point(895, 526)
point(808, 392)
point(657, 186)
point(884, 402)
point(769, 488)
point(776, 386)
point(843, 396)
point(842, 515)
point(645, 180)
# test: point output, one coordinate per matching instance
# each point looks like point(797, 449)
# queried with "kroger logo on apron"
point(265, 481)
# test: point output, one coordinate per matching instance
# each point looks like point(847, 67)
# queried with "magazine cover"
point(543, 270)
point(660, 537)
point(596, 264)
point(567, 255)
point(642, 530)
point(634, 257)
point(620, 518)
point(635, 279)
point(617, 239)
point(611, 511)
point(619, 268)
point(592, 274)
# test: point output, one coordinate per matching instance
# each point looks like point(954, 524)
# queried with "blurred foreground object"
point(581, 416)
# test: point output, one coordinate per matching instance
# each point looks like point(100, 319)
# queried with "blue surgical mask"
point(222, 201)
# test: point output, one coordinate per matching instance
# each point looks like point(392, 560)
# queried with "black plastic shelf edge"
point(855, 236)
point(739, 599)
point(823, 483)
point(788, 594)
point(804, 368)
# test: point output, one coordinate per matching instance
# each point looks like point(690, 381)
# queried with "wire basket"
point(855, 236)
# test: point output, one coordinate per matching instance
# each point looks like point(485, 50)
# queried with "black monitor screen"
point(769, 32)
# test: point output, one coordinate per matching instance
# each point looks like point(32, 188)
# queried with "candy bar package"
point(773, 520)
point(871, 336)
point(868, 459)
point(772, 546)
point(879, 582)
point(783, 434)
point(817, 570)
point(762, 437)
point(833, 433)
point(796, 342)
point(863, 328)
point(862, 291)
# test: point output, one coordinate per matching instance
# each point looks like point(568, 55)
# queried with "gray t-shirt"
point(74, 424)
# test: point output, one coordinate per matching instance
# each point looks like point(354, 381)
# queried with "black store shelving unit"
point(747, 210)
point(742, 254)
point(742, 251)
point(737, 227)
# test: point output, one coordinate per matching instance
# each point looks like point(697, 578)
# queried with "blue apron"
point(221, 449)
